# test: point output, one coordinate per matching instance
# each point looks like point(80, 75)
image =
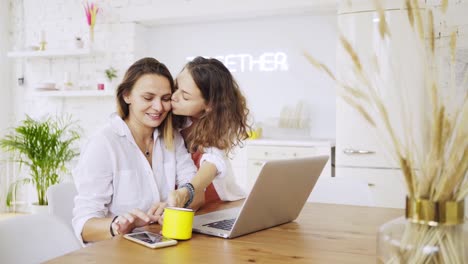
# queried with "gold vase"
point(430, 232)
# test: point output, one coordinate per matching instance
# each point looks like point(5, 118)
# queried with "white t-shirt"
point(225, 183)
point(114, 177)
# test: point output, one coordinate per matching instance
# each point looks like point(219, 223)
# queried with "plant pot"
point(431, 232)
point(39, 209)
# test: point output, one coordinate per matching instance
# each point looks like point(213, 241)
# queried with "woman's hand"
point(178, 198)
point(156, 212)
point(127, 222)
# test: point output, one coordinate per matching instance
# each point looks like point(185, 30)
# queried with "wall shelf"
point(74, 93)
point(50, 53)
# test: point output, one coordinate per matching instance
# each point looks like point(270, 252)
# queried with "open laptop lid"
point(279, 194)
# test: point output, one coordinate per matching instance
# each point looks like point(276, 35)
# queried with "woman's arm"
point(202, 179)
point(185, 172)
point(94, 227)
point(204, 176)
point(122, 224)
point(93, 180)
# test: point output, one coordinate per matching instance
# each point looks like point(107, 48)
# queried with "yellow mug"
point(177, 223)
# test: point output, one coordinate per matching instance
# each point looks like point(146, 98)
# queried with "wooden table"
point(323, 233)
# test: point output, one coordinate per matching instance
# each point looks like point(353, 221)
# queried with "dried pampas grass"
point(436, 168)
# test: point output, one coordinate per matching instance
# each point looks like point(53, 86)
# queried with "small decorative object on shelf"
point(43, 42)
point(79, 44)
point(398, 86)
point(67, 83)
point(111, 74)
point(91, 11)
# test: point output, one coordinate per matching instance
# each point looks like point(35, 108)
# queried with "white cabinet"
point(259, 154)
point(364, 164)
point(371, 187)
point(357, 143)
point(248, 161)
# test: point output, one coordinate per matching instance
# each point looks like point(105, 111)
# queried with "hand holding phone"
point(150, 240)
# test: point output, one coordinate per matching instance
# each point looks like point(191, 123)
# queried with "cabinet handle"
point(370, 184)
point(357, 151)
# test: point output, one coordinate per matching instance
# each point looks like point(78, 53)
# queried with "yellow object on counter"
point(255, 133)
point(178, 223)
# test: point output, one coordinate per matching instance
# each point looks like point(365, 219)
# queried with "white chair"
point(61, 201)
point(35, 238)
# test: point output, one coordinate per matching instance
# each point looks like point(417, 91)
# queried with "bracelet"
point(191, 190)
point(110, 228)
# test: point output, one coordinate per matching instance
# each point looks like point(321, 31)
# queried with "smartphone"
point(150, 240)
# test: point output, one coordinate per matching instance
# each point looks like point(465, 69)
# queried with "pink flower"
point(91, 11)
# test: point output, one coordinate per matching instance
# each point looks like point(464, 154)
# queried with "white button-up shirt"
point(114, 177)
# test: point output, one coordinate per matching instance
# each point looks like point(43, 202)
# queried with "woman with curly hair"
point(215, 121)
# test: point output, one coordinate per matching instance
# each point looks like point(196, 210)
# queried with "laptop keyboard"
point(223, 224)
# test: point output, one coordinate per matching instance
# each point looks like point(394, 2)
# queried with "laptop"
point(277, 197)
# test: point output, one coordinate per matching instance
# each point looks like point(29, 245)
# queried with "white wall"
point(5, 106)
point(122, 43)
point(270, 90)
point(5, 91)
point(120, 37)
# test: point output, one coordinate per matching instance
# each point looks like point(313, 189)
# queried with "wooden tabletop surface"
point(323, 233)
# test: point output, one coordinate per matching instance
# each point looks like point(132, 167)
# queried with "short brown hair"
point(225, 125)
point(136, 71)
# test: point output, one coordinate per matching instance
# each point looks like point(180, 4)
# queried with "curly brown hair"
point(225, 125)
point(138, 69)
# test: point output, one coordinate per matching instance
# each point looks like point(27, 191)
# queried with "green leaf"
point(12, 190)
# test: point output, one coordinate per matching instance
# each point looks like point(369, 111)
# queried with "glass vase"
point(431, 232)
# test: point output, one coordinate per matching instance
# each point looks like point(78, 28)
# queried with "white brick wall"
point(62, 21)
point(5, 105)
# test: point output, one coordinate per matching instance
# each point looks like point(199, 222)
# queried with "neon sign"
point(244, 62)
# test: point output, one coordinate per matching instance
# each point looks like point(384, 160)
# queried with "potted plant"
point(111, 74)
point(44, 147)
